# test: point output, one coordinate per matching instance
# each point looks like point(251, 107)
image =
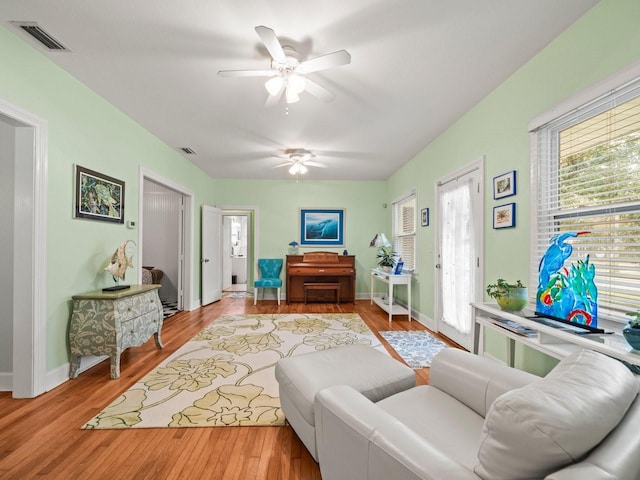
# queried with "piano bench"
point(322, 286)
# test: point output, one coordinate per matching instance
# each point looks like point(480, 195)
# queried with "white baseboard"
point(6, 382)
point(58, 376)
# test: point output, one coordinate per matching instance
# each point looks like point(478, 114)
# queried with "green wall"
point(84, 129)
point(602, 42)
point(279, 203)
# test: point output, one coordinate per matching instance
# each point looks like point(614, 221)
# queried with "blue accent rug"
point(417, 349)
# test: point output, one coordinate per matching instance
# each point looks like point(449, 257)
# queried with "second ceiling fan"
point(288, 71)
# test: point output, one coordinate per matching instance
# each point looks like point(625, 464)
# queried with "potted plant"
point(511, 297)
point(386, 260)
point(631, 332)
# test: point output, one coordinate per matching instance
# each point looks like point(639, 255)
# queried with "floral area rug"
point(417, 349)
point(225, 375)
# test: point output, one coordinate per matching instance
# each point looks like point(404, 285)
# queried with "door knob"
point(204, 260)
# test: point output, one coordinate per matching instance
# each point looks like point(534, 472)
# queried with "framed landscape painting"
point(98, 196)
point(504, 185)
point(322, 227)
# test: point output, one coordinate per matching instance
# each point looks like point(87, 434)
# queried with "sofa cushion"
point(439, 419)
point(532, 431)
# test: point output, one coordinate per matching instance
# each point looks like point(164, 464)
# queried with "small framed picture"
point(504, 185)
point(424, 217)
point(504, 216)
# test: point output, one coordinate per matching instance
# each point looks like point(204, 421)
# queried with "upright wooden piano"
point(321, 267)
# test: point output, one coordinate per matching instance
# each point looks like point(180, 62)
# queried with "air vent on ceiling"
point(44, 38)
point(188, 150)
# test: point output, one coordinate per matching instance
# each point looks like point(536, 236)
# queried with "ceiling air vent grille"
point(44, 38)
point(188, 151)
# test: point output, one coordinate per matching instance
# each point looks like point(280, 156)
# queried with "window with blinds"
point(404, 230)
point(587, 176)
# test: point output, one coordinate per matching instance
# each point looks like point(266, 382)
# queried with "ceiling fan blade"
point(282, 165)
point(246, 73)
point(273, 100)
point(318, 91)
point(335, 59)
point(272, 43)
point(315, 164)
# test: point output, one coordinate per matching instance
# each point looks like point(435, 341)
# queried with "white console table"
point(391, 280)
point(555, 342)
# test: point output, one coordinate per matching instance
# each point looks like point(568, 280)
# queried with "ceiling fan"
point(288, 71)
point(299, 160)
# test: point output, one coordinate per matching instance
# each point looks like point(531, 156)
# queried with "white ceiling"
point(417, 66)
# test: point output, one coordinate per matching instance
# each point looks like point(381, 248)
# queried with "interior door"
point(211, 260)
point(459, 246)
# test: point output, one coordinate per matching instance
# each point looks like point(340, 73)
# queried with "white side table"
point(391, 280)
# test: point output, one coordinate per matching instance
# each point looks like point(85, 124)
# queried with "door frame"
point(252, 231)
point(474, 165)
point(29, 376)
point(185, 282)
point(226, 240)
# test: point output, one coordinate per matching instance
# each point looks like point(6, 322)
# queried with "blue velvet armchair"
point(270, 269)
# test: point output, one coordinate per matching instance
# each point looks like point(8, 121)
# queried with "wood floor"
point(41, 437)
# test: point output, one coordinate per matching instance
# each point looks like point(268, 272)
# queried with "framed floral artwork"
point(504, 216)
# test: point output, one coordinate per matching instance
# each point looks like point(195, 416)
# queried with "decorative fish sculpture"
point(121, 259)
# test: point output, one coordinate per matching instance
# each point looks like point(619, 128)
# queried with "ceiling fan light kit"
point(288, 72)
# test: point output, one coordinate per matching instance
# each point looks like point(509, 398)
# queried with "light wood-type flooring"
point(41, 437)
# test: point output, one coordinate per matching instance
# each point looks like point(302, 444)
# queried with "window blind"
point(404, 230)
point(587, 179)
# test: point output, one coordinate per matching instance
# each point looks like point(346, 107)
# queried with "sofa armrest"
point(473, 380)
point(357, 439)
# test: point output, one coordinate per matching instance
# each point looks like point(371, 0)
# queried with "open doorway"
point(165, 237)
point(235, 267)
point(238, 247)
point(23, 163)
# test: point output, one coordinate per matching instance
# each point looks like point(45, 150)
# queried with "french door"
point(459, 279)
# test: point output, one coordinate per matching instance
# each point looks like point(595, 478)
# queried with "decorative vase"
point(293, 250)
point(632, 336)
point(515, 300)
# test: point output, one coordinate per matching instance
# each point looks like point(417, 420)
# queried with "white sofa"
point(479, 419)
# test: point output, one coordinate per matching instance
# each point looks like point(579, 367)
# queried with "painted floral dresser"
point(107, 323)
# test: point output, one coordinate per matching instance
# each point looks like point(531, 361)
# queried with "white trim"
point(189, 236)
point(413, 191)
point(6, 382)
point(30, 280)
point(588, 95)
point(256, 236)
